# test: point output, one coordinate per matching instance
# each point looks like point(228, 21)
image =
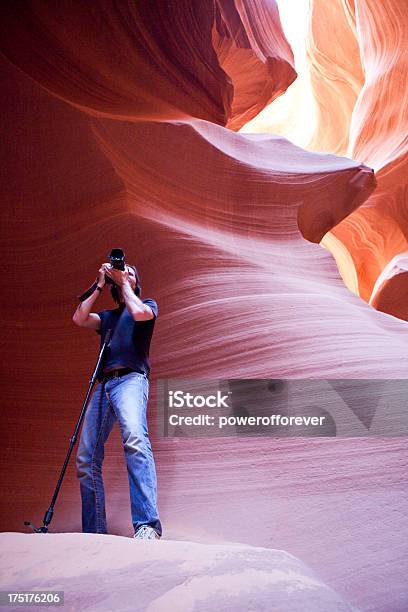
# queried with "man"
point(122, 394)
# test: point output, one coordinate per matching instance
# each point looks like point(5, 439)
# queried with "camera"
point(117, 260)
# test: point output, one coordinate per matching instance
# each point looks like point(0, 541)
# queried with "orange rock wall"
point(366, 72)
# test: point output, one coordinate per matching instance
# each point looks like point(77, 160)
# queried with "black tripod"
point(48, 515)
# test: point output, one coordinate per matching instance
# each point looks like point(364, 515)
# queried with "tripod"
point(49, 514)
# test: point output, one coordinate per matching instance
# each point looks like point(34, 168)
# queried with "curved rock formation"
point(153, 60)
point(253, 51)
point(377, 232)
point(389, 293)
point(277, 188)
point(356, 72)
point(149, 60)
point(224, 228)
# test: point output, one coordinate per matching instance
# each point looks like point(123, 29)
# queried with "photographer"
point(122, 394)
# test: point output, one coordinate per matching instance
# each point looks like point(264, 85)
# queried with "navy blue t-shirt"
point(130, 343)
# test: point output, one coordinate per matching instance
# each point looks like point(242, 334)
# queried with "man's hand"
point(118, 276)
point(101, 274)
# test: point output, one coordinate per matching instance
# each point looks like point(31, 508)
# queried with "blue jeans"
point(124, 399)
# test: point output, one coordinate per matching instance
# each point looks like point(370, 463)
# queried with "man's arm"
point(83, 315)
point(138, 310)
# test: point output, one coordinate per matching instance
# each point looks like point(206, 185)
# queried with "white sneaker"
point(145, 532)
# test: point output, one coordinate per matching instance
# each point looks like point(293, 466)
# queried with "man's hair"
point(138, 288)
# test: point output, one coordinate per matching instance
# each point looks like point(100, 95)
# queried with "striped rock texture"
point(122, 127)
